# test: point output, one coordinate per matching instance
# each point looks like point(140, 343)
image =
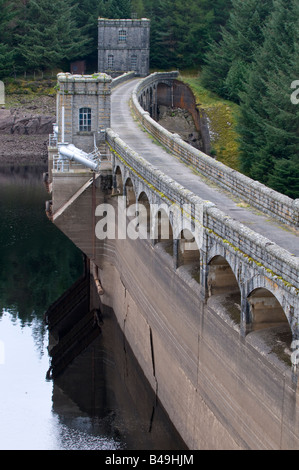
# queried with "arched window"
point(84, 120)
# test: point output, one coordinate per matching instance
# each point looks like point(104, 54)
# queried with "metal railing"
point(52, 140)
point(63, 165)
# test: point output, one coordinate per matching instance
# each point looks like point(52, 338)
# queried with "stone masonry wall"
point(253, 192)
point(134, 42)
point(87, 91)
point(256, 247)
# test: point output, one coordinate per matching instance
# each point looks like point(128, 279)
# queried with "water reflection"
point(106, 383)
point(37, 261)
point(101, 401)
point(27, 418)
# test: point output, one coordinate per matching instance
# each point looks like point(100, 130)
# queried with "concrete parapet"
point(122, 78)
point(255, 260)
point(258, 195)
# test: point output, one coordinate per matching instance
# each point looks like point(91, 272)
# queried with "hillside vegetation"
point(222, 117)
point(246, 53)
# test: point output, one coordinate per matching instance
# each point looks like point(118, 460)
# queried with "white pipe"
point(62, 124)
point(55, 131)
point(57, 107)
point(73, 153)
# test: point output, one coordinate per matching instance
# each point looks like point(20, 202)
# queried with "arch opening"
point(118, 182)
point(130, 193)
point(269, 322)
point(221, 279)
point(265, 310)
point(163, 233)
point(222, 282)
point(189, 254)
point(144, 213)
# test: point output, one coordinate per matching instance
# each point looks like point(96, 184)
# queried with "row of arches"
point(213, 273)
point(156, 94)
point(148, 100)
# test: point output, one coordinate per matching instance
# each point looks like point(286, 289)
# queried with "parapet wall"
point(122, 78)
point(258, 249)
point(256, 194)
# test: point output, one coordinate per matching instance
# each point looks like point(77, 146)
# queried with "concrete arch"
point(189, 253)
point(129, 192)
point(147, 105)
point(181, 223)
point(284, 299)
point(269, 322)
point(157, 206)
point(142, 190)
point(221, 277)
point(118, 184)
point(162, 230)
point(151, 102)
point(265, 309)
point(223, 288)
point(144, 212)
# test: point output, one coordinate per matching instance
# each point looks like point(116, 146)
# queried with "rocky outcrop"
point(25, 129)
point(180, 121)
point(16, 122)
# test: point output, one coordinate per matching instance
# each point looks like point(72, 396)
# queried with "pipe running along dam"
point(198, 262)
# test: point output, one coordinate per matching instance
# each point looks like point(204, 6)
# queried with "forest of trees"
point(40, 35)
point(254, 64)
point(246, 51)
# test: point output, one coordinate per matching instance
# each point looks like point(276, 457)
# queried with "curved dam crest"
point(210, 310)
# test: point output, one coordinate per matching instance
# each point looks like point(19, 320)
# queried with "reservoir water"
point(88, 406)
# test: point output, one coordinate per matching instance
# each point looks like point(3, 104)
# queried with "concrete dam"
point(198, 263)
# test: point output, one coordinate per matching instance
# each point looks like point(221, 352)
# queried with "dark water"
point(102, 400)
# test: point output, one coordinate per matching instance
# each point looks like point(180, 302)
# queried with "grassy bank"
point(222, 117)
point(33, 94)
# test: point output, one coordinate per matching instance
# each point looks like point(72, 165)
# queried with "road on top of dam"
point(132, 133)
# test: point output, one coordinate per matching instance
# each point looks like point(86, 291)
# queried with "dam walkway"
point(132, 133)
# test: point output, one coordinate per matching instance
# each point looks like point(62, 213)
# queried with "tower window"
point(110, 61)
point(134, 62)
point(84, 119)
point(122, 35)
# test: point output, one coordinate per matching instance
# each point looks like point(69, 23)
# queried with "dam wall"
point(221, 390)
point(211, 319)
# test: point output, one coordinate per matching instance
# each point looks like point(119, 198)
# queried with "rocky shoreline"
point(25, 125)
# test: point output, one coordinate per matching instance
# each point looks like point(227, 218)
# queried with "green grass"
point(38, 84)
point(222, 116)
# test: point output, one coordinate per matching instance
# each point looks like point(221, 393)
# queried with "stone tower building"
point(123, 46)
point(83, 109)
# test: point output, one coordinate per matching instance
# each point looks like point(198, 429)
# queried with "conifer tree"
point(6, 60)
point(181, 31)
point(6, 50)
point(269, 121)
point(51, 37)
point(137, 7)
point(228, 61)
